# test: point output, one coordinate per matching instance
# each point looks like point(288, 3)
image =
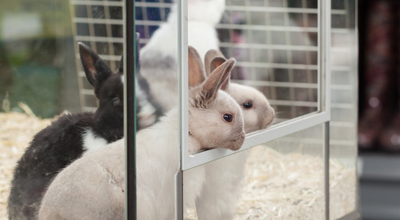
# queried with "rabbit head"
point(257, 111)
point(215, 119)
point(108, 88)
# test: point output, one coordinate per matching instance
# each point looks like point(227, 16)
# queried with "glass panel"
point(343, 143)
point(281, 179)
point(275, 45)
point(157, 105)
point(45, 76)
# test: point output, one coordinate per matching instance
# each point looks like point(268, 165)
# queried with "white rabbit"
point(159, 57)
point(203, 16)
point(257, 111)
point(223, 177)
point(93, 186)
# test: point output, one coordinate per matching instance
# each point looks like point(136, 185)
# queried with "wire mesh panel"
point(275, 43)
point(99, 25)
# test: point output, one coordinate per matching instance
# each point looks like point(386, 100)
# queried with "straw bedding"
point(16, 131)
point(291, 186)
point(276, 186)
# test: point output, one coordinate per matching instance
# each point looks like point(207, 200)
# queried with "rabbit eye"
point(228, 117)
point(115, 101)
point(248, 105)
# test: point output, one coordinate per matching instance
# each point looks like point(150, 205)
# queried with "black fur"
point(56, 146)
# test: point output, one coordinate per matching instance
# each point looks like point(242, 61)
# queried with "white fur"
point(93, 186)
point(122, 79)
point(146, 116)
point(203, 15)
point(202, 37)
point(223, 178)
point(215, 201)
point(258, 117)
point(92, 142)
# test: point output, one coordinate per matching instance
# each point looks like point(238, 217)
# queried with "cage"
point(279, 48)
point(299, 54)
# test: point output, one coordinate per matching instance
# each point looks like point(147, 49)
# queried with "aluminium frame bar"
point(183, 89)
point(129, 49)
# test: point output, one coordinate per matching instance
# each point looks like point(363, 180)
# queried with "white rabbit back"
point(207, 11)
point(202, 36)
point(159, 60)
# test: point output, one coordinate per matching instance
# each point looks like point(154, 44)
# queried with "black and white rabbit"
point(67, 138)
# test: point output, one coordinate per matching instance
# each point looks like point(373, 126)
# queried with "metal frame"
point(326, 170)
point(183, 103)
point(129, 109)
point(277, 131)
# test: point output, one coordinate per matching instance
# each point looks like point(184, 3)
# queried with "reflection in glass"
point(282, 179)
point(343, 143)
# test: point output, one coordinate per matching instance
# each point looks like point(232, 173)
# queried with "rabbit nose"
point(238, 141)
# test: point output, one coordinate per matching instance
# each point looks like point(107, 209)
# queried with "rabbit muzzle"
point(236, 142)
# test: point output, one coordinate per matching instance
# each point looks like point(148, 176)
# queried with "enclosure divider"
point(183, 103)
point(355, 112)
point(129, 109)
point(326, 168)
point(324, 42)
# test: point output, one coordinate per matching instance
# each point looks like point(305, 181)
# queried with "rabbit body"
point(223, 177)
point(67, 138)
point(222, 187)
point(203, 16)
point(98, 182)
point(97, 177)
point(157, 150)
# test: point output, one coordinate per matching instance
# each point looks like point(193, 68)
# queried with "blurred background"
point(379, 108)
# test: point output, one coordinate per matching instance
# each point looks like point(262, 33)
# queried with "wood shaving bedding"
point(276, 186)
point(291, 186)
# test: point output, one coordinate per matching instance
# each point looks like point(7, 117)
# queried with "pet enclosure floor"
point(276, 186)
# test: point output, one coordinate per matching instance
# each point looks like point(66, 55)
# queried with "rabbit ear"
point(215, 63)
point(214, 82)
point(210, 55)
point(196, 69)
point(96, 69)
